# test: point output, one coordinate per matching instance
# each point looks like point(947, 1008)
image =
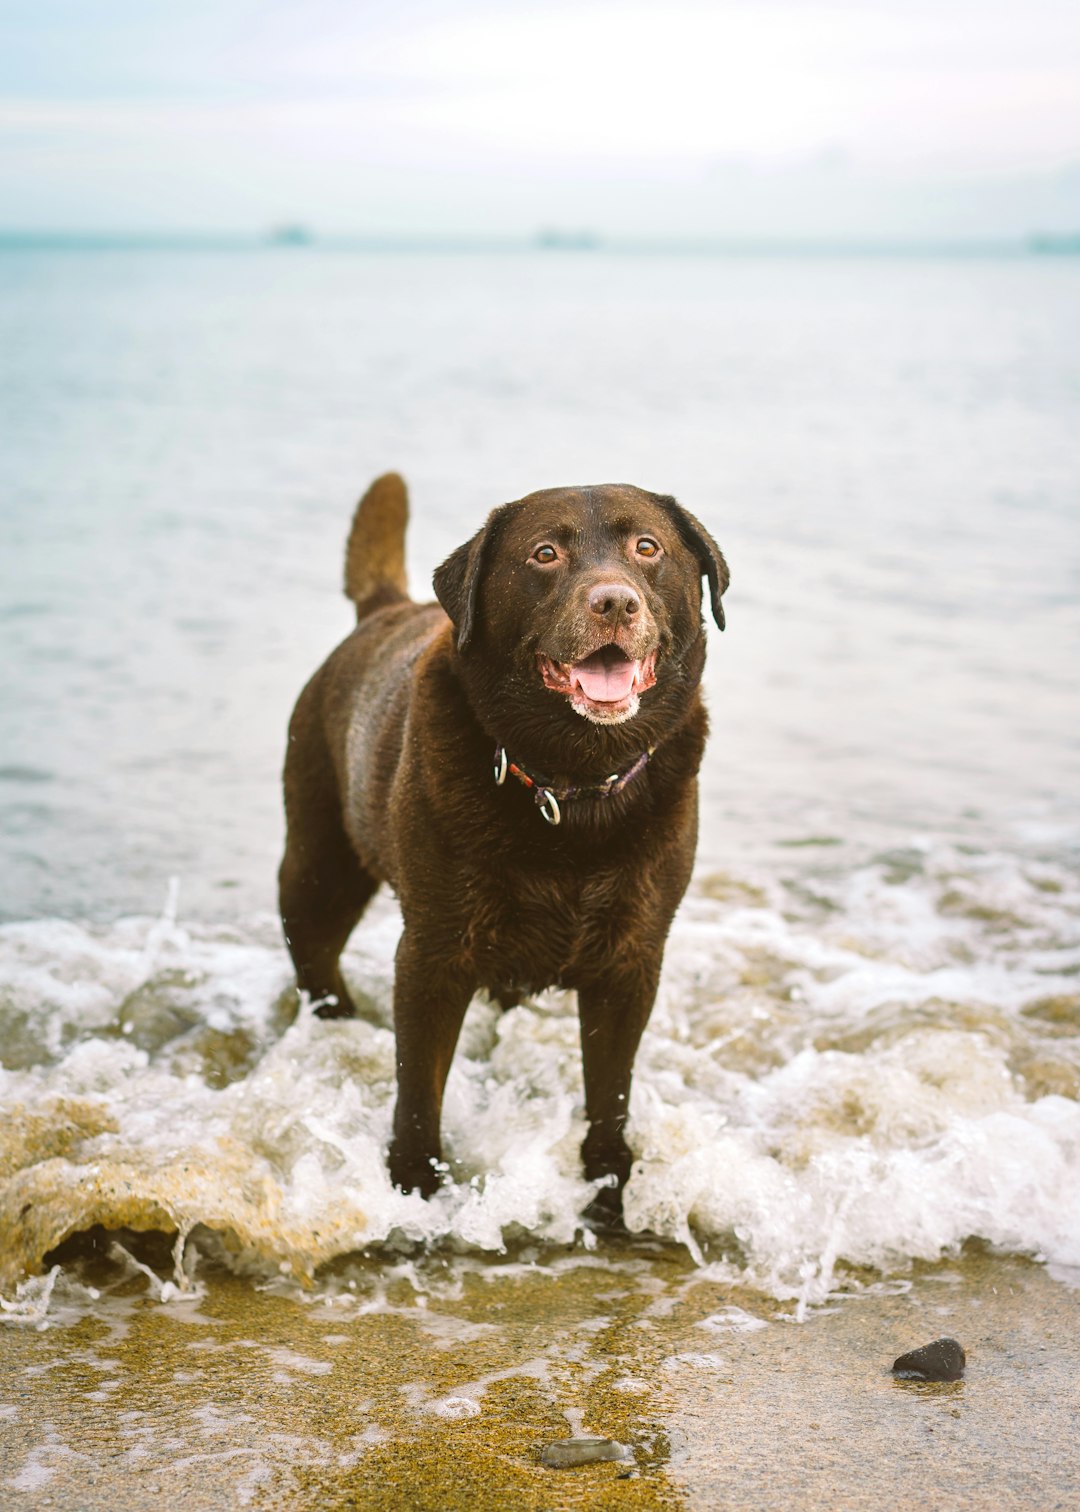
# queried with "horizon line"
point(299, 238)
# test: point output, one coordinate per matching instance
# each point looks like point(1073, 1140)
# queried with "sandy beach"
point(435, 1383)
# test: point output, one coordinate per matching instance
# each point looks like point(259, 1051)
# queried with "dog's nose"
point(614, 601)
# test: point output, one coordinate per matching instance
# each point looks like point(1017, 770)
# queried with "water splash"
point(846, 1067)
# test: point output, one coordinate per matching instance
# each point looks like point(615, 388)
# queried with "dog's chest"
point(527, 931)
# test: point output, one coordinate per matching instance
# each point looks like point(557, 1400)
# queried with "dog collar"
point(548, 798)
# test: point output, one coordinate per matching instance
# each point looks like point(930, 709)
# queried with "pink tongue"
point(603, 680)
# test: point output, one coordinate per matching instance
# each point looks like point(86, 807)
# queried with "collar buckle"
point(549, 799)
point(548, 805)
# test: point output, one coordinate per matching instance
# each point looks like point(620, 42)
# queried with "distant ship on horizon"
point(290, 234)
point(1057, 242)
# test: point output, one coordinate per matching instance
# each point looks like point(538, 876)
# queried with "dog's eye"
point(647, 547)
point(545, 554)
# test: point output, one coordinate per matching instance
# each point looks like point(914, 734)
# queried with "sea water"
point(866, 1046)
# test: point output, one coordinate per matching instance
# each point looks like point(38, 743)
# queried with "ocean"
point(866, 1049)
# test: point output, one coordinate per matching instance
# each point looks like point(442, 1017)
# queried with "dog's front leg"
point(431, 994)
point(613, 1011)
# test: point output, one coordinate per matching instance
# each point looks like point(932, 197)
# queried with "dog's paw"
point(334, 1006)
point(412, 1173)
point(604, 1213)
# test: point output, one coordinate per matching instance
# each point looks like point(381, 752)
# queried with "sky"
point(740, 119)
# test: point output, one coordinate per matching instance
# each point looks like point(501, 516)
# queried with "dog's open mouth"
point(605, 686)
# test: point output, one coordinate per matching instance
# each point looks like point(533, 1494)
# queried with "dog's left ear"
point(710, 557)
point(456, 583)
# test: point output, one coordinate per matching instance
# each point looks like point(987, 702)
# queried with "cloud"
point(380, 101)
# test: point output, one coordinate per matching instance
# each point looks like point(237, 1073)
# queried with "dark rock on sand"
point(561, 1454)
point(943, 1360)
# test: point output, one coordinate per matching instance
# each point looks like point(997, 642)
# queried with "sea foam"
point(846, 1067)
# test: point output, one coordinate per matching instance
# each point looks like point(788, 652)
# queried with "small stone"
point(943, 1360)
point(562, 1454)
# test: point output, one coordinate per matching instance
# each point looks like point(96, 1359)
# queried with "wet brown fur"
point(388, 778)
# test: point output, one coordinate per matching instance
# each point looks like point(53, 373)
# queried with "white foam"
point(455, 1408)
point(732, 1320)
point(695, 1360)
point(862, 1065)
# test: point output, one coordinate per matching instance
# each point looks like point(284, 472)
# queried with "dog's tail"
point(375, 555)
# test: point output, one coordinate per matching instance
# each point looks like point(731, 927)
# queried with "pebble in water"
point(561, 1454)
point(943, 1360)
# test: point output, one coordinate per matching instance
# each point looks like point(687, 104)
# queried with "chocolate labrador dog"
point(518, 762)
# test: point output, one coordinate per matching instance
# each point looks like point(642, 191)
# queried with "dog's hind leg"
point(322, 886)
point(320, 907)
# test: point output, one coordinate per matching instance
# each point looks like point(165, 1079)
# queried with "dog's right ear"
point(456, 583)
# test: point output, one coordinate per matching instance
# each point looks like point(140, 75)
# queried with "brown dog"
point(568, 648)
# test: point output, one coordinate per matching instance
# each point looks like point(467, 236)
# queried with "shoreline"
point(434, 1383)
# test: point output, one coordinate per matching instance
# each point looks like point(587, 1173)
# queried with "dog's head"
point(584, 601)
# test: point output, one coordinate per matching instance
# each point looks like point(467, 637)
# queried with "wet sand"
point(372, 1393)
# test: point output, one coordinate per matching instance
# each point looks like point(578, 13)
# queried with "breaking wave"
point(847, 1067)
